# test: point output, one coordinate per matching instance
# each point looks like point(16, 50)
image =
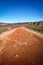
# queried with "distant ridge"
point(22, 23)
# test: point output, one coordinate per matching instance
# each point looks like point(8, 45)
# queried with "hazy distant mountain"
point(20, 24)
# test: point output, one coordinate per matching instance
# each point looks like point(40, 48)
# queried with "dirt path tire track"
point(21, 47)
point(5, 34)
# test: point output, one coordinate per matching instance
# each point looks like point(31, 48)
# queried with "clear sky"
point(21, 10)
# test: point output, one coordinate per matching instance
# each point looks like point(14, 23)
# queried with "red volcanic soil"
point(21, 47)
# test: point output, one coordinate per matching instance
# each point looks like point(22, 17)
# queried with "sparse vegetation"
point(37, 26)
point(3, 29)
point(38, 29)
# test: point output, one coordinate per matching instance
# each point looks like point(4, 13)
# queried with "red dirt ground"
point(21, 47)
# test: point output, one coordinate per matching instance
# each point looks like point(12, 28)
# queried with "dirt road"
point(21, 47)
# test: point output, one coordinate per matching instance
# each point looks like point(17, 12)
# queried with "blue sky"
point(14, 11)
